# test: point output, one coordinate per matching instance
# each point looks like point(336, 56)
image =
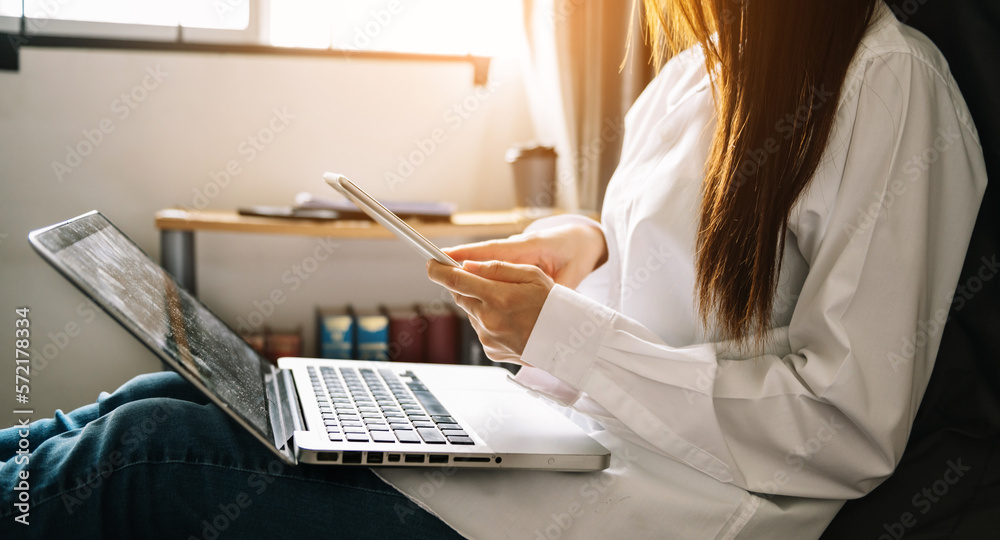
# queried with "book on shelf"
point(427, 211)
point(335, 332)
point(256, 342)
point(274, 344)
point(442, 342)
point(407, 333)
point(371, 334)
point(434, 332)
point(282, 343)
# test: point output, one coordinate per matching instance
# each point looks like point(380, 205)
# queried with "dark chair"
point(948, 482)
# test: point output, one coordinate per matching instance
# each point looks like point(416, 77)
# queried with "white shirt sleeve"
point(826, 410)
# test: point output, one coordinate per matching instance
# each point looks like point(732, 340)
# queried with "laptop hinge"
point(291, 397)
point(286, 417)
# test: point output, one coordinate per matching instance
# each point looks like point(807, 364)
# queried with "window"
point(218, 14)
point(478, 27)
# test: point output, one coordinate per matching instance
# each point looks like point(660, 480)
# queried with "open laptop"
point(342, 412)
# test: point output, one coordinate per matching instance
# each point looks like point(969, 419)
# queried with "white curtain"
point(581, 79)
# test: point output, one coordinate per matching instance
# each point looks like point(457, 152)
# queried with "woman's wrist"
point(596, 244)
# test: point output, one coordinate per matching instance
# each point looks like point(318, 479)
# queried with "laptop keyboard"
point(368, 405)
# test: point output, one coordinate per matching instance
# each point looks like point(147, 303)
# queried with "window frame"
point(28, 27)
point(56, 33)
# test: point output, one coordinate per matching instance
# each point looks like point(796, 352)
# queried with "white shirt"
point(709, 441)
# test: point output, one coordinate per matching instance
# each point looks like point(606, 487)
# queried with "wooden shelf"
point(178, 227)
point(470, 224)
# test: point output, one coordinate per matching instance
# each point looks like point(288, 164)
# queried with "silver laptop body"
point(342, 412)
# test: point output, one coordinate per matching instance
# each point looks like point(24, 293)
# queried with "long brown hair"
point(777, 68)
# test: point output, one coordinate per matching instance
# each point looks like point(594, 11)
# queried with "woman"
point(778, 248)
point(749, 329)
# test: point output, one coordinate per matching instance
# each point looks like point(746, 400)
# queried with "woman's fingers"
point(504, 271)
point(478, 280)
point(510, 249)
point(504, 299)
point(457, 280)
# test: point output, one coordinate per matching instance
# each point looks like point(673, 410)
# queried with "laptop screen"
point(122, 279)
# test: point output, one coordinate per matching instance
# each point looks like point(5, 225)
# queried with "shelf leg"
point(177, 257)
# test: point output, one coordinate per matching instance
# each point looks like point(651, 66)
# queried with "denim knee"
point(160, 384)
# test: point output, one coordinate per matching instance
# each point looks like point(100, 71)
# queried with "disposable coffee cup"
point(534, 169)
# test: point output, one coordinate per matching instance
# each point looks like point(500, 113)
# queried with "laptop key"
point(430, 402)
point(457, 439)
point(407, 436)
point(383, 436)
point(454, 433)
point(422, 424)
point(357, 437)
point(431, 435)
point(354, 429)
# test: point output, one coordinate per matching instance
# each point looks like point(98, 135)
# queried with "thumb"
point(501, 271)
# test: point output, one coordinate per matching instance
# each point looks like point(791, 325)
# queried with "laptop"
point(311, 410)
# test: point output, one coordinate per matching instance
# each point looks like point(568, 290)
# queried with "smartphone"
point(388, 219)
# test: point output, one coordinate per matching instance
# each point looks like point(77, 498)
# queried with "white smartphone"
point(388, 219)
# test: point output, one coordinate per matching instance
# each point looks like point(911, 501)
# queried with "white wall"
point(356, 117)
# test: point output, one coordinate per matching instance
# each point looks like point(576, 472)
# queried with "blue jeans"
point(155, 459)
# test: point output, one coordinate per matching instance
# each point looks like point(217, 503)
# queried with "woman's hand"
point(566, 253)
point(503, 301)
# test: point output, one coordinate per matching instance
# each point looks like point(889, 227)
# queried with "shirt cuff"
point(567, 335)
